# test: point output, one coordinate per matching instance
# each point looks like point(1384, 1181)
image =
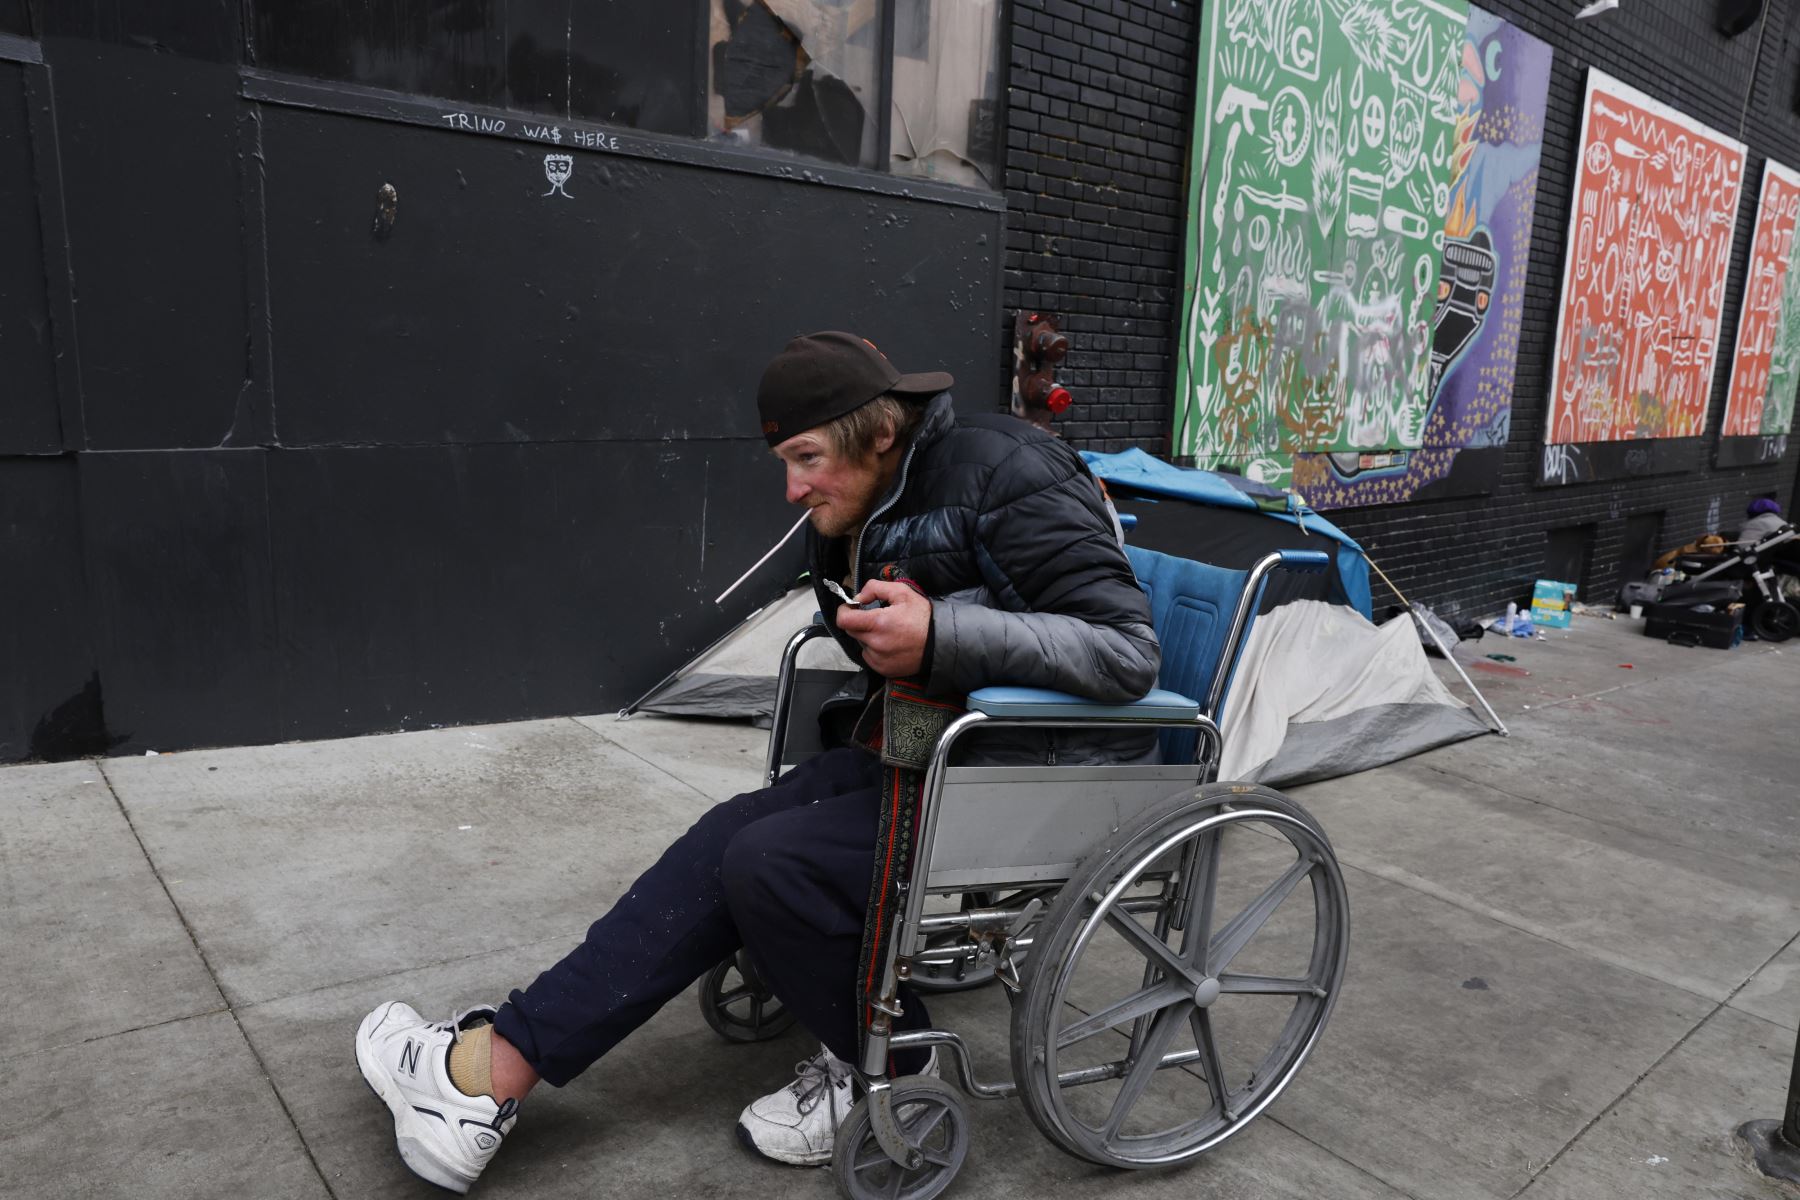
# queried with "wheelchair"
point(1171, 946)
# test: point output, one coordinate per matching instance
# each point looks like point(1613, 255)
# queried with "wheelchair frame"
point(1048, 861)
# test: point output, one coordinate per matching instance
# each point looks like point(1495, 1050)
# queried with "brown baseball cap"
point(821, 376)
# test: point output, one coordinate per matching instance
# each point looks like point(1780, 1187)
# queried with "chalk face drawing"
point(1650, 233)
point(1766, 369)
point(1334, 136)
point(1502, 88)
point(557, 169)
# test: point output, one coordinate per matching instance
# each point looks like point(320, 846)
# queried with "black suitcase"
point(1683, 626)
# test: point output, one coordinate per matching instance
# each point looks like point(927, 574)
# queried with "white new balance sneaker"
point(445, 1136)
point(798, 1124)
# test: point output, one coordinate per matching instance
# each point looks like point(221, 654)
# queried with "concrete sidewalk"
point(1573, 965)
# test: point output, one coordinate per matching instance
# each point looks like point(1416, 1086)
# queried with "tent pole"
point(1499, 725)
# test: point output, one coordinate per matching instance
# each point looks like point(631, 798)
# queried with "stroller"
point(1768, 574)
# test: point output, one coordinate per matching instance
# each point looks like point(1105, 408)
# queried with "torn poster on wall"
point(1650, 233)
point(1362, 163)
point(1765, 371)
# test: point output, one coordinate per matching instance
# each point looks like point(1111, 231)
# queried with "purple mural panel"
point(1501, 95)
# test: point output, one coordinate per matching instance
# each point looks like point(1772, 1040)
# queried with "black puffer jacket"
point(1004, 528)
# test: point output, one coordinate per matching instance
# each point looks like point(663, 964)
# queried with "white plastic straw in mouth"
point(765, 558)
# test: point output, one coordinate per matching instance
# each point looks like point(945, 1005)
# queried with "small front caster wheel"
point(739, 1006)
point(1775, 620)
point(933, 1119)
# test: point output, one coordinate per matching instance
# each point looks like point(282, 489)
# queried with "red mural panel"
point(1650, 237)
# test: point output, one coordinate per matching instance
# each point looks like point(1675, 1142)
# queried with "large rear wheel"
point(1182, 978)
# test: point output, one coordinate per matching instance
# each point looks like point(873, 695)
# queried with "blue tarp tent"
point(1133, 472)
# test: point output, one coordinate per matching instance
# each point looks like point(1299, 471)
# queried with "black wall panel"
point(178, 561)
point(438, 585)
point(28, 415)
point(640, 301)
point(204, 29)
point(51, 706)
point(151, 186)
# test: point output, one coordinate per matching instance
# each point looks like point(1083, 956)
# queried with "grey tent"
point(734, 678)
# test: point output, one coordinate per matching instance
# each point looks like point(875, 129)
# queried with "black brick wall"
point(1100, 118)
point(1095, 178)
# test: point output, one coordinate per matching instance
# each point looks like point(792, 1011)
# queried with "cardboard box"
point(1550, 601)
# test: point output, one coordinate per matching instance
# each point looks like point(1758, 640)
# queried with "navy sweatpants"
point(783, 872)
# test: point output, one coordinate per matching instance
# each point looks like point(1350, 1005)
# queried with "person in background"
point(1765, 519)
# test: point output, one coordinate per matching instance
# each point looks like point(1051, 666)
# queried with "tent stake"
point(1499, 725)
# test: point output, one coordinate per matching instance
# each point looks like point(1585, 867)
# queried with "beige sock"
point(472, 1062)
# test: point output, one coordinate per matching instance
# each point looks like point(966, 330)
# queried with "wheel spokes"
point(924, 1127)
point(1151, 947)
point(1241, 928)
point(918, 1123)
point(1208, 1045)
point(1149, 1061)
point(1199, 896)
point(1266, 985)
point(1129, 1009)
point(727, 999)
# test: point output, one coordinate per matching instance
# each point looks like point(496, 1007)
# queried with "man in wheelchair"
point(975, 551)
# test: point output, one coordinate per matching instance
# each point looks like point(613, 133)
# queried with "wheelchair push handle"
point(1307, 562)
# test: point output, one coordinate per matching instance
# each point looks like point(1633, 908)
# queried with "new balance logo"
point(409, 1058)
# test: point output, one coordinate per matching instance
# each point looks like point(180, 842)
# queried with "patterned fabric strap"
point(910, 728)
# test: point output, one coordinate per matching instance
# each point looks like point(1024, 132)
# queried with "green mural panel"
point(1321, 178)
point(1784, 369)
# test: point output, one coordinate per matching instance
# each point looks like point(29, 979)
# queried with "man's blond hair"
point(853, 434)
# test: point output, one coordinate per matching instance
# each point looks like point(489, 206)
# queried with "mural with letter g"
point(1359, 224)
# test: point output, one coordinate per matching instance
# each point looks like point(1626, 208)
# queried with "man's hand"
point(893, 638)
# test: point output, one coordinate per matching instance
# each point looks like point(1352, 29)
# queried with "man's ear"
point(884, 440)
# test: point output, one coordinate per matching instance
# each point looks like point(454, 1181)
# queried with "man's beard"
point(836, 521)
point(847, 514)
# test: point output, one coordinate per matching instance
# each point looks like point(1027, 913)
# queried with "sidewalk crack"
point(1647, 1071)
point(212, 974)
point(650, 762)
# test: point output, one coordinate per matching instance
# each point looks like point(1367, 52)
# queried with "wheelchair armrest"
point(1159, 705)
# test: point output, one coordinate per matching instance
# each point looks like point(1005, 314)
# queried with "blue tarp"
point(1141, 472)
